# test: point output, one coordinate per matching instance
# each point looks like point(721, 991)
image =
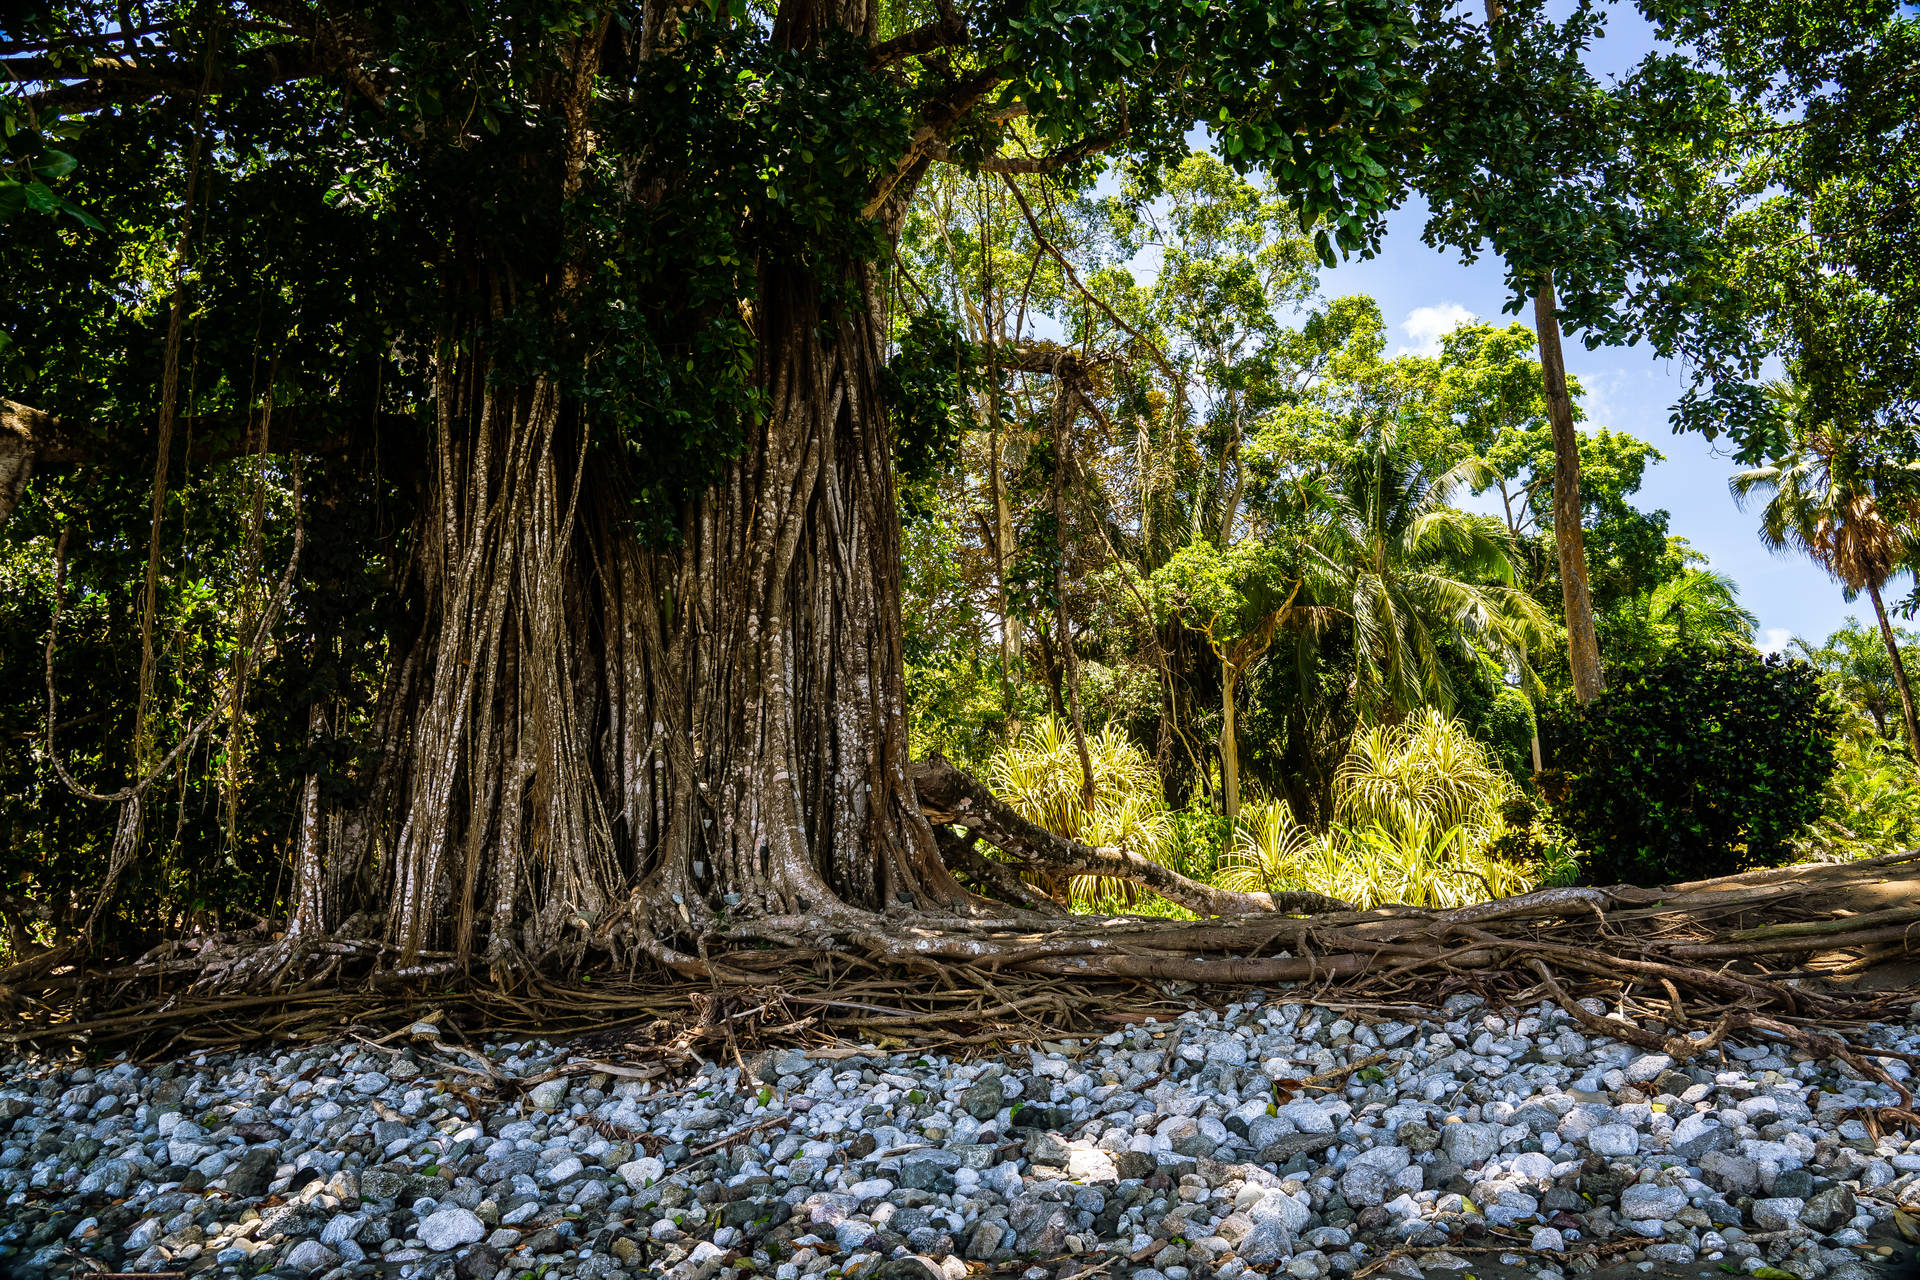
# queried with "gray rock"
point(1797, 1183)
point(1047, 1149)
point(1696, 1135)
point(1418, 1137)
point(1365, 1185)
point(984, 1241)
point(1614, 1140)
point(482, 1262)
point(1468, 1144)
point(1286, 1148)
point(310, 1256)
point(381, 1185)
point(1778, 1213)
point(1037, 1224)
point(643, 1172)
point(446, 1229)
point(250, 1175)
point(1264, 1245)
point(548, 1094)
point(1828, 1211)
point(983, 1098)
point(562, 1169)
point(1278, 1206)
point(1642, 1202)
point(1731, 1174)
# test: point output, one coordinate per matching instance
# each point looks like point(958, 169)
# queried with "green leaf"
point(81, 216)
point(55, 164)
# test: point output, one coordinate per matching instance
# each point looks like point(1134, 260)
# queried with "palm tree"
point(1831, 501)
point(1420, 579)
point(1697, 604)
point(1856, 666)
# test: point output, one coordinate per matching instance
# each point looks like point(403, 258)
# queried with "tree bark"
point(1899, 670)
point(308, 915)
point(1229, 742)
point(620, 749)
point(1069, 661)
point(1583, 647)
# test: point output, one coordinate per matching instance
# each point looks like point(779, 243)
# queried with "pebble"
point(1162, 1142)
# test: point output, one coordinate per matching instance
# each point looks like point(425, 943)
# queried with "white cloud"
point(1774, 639)
point(1427, 325)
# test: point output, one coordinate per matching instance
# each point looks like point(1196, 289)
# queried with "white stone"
point(1613, 1140)
point(447, 1229)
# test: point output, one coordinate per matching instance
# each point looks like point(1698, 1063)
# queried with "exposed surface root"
point(954, 798)
point(901, 978)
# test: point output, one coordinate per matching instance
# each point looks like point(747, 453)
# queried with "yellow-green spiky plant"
point(1039, 775)
point(1417, 804)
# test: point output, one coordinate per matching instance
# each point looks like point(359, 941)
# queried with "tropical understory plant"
point(1040, 775)
point(1870, 805)
point(1418, 806)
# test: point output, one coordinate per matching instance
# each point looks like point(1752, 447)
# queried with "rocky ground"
point(1268, 1138)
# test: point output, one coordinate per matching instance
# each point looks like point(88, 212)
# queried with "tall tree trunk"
point(1583, 647)
point(1899, 670)
point(308, 915)
point(1011, 643)
point(617, 748)
point(1069, 661)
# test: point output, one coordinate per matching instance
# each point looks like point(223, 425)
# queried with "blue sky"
point(1422, 293)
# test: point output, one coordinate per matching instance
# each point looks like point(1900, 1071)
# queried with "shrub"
point(1871, 804)
point(1700, 763)
point(1419, 810)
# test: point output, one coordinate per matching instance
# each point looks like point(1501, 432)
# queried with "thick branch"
point(942, 33)
point(951, 796)
point(1044, 357)
point(962, 853)
point(939, 116)
point(1051, 163)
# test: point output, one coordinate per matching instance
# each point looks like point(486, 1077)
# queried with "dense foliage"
point(798, 383)
point(1698, 764)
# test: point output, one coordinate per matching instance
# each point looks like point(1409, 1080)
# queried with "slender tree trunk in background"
point(1899, 670)
point(1010, 643)
point(309, 877)
point(1229, 742)
point(1583, 647)
point(1070, 663)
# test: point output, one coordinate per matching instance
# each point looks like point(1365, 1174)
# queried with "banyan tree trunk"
point(614, 747)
